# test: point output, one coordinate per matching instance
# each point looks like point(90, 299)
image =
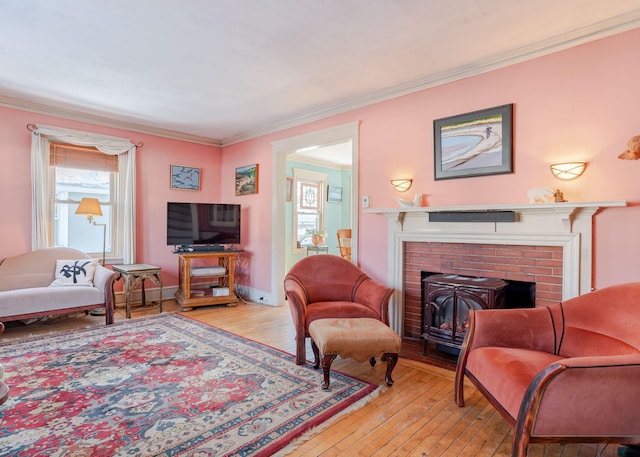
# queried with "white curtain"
point(124, 217)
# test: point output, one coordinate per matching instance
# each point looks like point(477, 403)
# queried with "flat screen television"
point(202, 224)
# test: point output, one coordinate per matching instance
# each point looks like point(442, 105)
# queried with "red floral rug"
point(164, 385)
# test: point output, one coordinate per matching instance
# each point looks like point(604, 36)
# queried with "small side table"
point(317, 248)
point(133, 275)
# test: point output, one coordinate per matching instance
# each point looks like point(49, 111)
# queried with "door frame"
point(280, 149)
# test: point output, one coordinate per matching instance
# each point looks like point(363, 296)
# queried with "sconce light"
point(568, 170)
point(402, 185)
point(91, 207)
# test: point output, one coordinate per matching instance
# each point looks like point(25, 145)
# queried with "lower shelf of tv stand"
point(205, 300)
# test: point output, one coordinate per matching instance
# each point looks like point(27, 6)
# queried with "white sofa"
point(26, 291)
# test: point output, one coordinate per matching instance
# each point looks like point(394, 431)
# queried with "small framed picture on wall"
point(334, 194)
point(247, 180)
point(185, 178)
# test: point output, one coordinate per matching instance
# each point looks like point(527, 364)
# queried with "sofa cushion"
point(78, 272)
point(507, 372)
point(42, 299)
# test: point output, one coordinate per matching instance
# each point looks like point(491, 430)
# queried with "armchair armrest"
point(594, 397)
point(298, 301)
point(526, 328)
point(375, 296)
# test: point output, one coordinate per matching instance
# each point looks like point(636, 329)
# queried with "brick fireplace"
point(547, 244)
point(540, 265)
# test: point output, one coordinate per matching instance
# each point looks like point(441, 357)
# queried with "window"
point(309, 208)
point(79, 172)
point(120, 209)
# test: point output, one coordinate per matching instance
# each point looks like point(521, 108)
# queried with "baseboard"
point(152, 294)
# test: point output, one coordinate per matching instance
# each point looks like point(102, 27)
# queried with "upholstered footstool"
point(360, 339)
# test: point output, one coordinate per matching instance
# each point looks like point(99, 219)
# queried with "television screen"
point(202, 223)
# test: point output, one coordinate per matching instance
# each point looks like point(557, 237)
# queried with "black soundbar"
point(200, 248)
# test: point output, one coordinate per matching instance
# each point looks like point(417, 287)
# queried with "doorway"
point(327, 170)
point(347, 133)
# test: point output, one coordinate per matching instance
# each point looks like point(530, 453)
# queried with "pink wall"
point(153, 162)
point(576, 104)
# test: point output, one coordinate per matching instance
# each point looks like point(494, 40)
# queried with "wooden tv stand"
point(193, 292)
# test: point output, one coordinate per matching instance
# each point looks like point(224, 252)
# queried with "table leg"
point(130, 283)
point(160, 302)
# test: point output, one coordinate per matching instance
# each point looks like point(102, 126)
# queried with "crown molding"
point(603, 29)
point(558, 43)
point(76, 115)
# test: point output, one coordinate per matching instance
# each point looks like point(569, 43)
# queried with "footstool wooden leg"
point(316, 355)
point(392, 359)
point(326, 368)
point(372, 361)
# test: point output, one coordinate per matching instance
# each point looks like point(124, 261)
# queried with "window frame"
point(301, 175)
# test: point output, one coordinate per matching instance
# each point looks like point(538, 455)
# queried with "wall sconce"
point(91, 207)
point(402, 185)
point(568, 170)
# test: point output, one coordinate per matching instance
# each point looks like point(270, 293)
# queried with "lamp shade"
point(567, 170)
point(90, 207)
point(402, 185)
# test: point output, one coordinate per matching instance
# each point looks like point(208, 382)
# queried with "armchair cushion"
point(339, 309)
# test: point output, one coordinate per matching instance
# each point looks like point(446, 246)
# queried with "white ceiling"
point(220, 71)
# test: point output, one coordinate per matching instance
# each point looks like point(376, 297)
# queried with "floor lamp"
point(91, 207)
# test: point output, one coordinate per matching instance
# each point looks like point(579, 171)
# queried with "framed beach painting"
point(247, 180)
point(185, 178)
point(479, 143)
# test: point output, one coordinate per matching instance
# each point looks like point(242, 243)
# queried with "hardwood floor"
point(415, 417)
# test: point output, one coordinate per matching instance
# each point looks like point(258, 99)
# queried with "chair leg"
point(301, 353)
point(316, 355)
point(326, 368)
point(392, 360)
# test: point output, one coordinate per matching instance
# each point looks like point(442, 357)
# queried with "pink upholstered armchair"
point(328, 286)
point(569, 372)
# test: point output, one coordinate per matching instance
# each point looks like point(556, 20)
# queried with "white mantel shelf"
point(521, 207)
point(566, 224)
point(566, 210)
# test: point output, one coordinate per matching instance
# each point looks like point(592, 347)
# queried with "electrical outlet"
point(365, 201)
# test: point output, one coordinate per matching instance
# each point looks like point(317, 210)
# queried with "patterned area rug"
point(164, 385)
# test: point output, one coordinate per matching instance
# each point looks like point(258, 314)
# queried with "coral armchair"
point(564, 373)
point(328, 286)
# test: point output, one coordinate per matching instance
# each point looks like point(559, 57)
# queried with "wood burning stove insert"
point(448, 298)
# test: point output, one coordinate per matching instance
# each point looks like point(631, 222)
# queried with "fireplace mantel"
point(566, 224)
point(565, 211)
